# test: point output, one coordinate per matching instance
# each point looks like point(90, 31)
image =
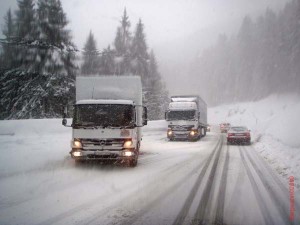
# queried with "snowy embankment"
point(28, 145)
point(274, 123)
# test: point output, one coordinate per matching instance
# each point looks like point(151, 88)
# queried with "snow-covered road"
point(204, 182)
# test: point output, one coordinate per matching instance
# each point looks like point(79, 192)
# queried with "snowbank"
point(28, 145)
point(273, 122)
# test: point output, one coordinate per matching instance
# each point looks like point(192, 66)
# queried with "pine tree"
point(139, 54)
point(91, 59)
point(122, 46)
point(155, 94)
point(15, 78)
point(26, 32)
point(107, 62)
point(8, 49)
point(42, 81)
point(57, 58)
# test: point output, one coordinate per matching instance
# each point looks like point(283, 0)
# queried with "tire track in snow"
point(167, 172)
point(263, 163)
point(282, 209)
point(187, 205)
point(133, 219)
point(222, 190)
point(259, 198)
point(199, 216)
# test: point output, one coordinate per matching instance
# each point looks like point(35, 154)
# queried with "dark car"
point(224, 127)
point(238, 135)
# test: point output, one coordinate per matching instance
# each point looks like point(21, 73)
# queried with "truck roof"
point(182, 106)
point(113, 102)
point(188, 98)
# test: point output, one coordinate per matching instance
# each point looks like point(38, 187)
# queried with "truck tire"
point(203, 133)
point(133, 162)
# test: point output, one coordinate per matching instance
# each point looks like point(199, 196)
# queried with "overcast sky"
point(164, 19)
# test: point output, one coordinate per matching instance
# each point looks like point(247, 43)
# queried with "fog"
point(176, 30)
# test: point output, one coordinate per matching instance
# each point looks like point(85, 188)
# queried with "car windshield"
point(238, 129)
point(181, 115)
point(103, 115)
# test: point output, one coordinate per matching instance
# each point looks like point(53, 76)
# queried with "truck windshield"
point(104, 115)
point(181, 115)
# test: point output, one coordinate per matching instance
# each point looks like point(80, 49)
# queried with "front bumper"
point(182, 135)
point(237, 139)
point(106, 155)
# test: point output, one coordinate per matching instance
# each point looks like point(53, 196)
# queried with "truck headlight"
point(128, 144)
point(76, 144)
point(77, 154)
point(128, 153)
point(192, 133)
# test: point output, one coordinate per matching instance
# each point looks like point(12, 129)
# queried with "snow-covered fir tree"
point(107, 62)
point(139, 53)
point(155, 93)
point(122, 46)
point(22, 64)
point(90, 57)
point(8, 50)
point(42, 80)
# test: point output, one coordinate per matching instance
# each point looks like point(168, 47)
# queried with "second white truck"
point(186, 117)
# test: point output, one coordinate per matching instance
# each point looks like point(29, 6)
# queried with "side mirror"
point(145, 116)
point(64, 122)
point(65, 113)
point(165, 115)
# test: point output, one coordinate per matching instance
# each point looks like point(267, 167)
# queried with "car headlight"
point(192, 133)
point(76, 144)
point(128, 144)
point(170, 132)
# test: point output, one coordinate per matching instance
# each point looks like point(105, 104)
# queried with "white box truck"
point(186, 117)
point(107, 119)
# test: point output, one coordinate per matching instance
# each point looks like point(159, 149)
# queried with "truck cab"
point(186, 119)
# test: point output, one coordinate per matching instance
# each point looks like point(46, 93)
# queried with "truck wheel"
point(79, 162)
point(132, 162)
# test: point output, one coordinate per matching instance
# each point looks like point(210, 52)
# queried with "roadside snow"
point(273, 122)
point(28, 145)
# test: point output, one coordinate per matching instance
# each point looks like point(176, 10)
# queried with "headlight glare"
point(128, 153)
point(76, 144)
point(76, 154)
point(128, 144)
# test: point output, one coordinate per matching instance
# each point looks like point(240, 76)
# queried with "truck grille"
point(181, 128)
point(98, 144)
